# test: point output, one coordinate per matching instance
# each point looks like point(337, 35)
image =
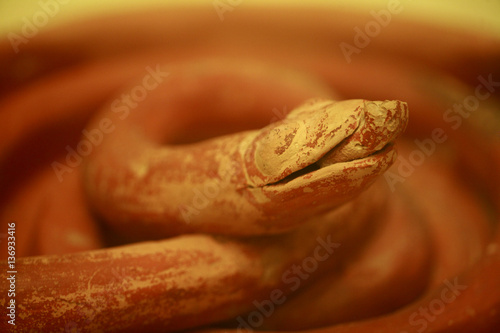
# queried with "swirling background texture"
point(235, 165)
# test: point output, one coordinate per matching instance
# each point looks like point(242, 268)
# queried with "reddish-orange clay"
point(253, 169)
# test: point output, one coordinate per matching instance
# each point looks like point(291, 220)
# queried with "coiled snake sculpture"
point(168, 171)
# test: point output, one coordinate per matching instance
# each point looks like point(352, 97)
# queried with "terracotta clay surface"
point(168, 171)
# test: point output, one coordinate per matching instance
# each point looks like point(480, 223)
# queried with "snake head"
point(323, 153)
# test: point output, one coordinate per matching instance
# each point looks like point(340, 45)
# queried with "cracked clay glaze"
point(168, 171)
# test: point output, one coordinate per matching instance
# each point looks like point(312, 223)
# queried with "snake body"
point(193, 204)
point(141, 185)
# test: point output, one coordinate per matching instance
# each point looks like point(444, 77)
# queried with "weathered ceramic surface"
point(251, 176)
